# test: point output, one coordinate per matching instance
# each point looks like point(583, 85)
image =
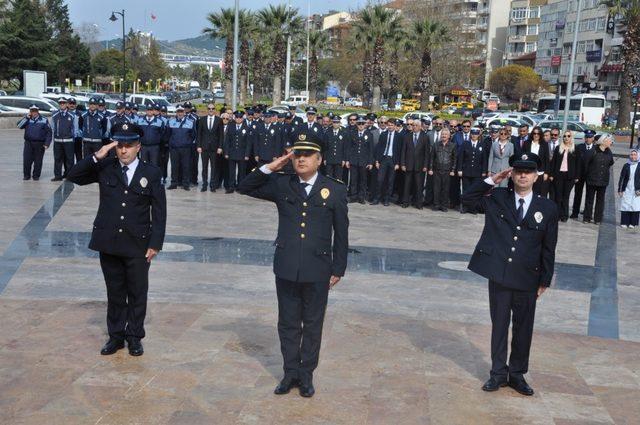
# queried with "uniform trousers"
point(597, 192)
point(32, 155)
point(507, 306)
point(127, 282)
point(467, 182)
point(629, 218)
point(454, 191)
point(180, 162)
point(577, 197)
point(563, 186)
point(441, 191)
point(209, 160)
point(164, 160)
point(150, 154)
point(193, 166)
point(63, 154)
point(386, 176)
point(358, 181)
point(301, 309)
point(413, 179)
point(78, 148)
point(334, 170)
point(237, 171)
point(89, 148)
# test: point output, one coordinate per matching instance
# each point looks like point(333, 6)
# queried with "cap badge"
point(525, 157)
point(302, 137)
point(325, 193)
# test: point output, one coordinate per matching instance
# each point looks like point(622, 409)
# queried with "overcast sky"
point(176, 19)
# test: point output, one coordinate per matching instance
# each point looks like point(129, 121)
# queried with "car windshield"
point(161, 101)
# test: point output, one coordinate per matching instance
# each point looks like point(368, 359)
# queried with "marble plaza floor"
point(406, 338)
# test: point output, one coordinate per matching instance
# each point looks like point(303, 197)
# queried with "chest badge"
point(538, 216)
point(340, 137)
point(366, 137)
point(143, 182)
point(244, 131)
point(325, 193)
point(480, 148)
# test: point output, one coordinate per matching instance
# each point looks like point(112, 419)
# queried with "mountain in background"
point(202, 45)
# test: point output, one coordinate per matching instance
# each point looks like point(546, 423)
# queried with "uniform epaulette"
point(334, 179)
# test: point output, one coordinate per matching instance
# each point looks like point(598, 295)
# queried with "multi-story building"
point(524, 25)
point(598, 50)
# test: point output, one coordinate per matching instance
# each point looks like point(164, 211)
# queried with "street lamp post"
point(236, 31)
point(569, 90)
point(114, 18)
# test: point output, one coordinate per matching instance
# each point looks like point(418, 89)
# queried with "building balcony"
point(482, 26)
point(483, 11)
point(518, 21)
point(517, 39)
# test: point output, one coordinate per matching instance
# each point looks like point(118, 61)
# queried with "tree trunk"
point(375, 101)
point(313, 78)
point(228, 90)
point(277, 95)
point(631, 73)
point(243, 90)
point(624, 104)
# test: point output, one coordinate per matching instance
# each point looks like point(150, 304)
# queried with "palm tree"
point(629, 11)
point(222, 27)
point(428, 35)
point(279, 22)
point(373, 27)
point(247, 26)
point(318, 41)
point(400, 43)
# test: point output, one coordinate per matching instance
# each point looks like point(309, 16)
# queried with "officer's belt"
point(63, 140)
point(92, 140)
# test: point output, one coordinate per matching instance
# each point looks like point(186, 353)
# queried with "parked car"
point(208, 97)
point(296, 100)
point(353, 101)
point(3, 93)
point(501, 122)
point(145, 101)
point(5, 110)
point(482, 119)
point(419, 114)
point(578, 128)
point(24, 102)
point(283, 108)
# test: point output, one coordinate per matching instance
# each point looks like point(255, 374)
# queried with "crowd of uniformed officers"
point(419, 162)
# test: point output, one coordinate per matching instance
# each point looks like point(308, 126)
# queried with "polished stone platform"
point(406, 337)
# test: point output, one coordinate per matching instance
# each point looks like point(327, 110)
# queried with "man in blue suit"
point(387, 158)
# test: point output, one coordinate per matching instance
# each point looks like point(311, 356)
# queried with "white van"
point(144, 101)
point(296, 100)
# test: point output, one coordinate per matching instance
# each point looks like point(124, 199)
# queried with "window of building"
point(557, 51)
point(589, 45)
point(570, 26)
point(554, 70)
point(591, 24)
point(602, 22)
point(581, 47)
point(534, 12)
point(583, 25)
point(532, 29)
point(519, 13)
point(566, 49)
point(530, 47)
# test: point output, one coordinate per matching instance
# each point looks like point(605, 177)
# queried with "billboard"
point(35, 83)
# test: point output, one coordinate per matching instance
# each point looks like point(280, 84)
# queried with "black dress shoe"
point(203, 189)
point(173, 186)
point(26, 178)
point(521, 386)
point(374, 203)
point(386, 203)
point(573, 216)
point(405, 205)
point(285, 386)
point(56, 179)
point(35, 179)
point(135, 347)
point(307, 390)
point(228, 191)
point(112, 346)
point(211, 189)
point(187, 188)
point(494, 384)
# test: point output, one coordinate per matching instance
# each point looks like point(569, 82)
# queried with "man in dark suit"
point(472, 163)
point(128, 231)
point(516, 252)
point(359, 160)
point(387, 156)
point(236, 149)
point(459, 138)
point(312, 211)
point(210, 130)
point(521, 142)
point(585, 151)
point(414, 159)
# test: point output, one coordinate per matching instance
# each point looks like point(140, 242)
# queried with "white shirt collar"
point(311, 181)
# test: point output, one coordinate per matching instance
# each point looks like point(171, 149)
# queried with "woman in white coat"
point(501, 150)
point(629, 192)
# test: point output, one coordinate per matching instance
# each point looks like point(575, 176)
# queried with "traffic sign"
point(635, 91)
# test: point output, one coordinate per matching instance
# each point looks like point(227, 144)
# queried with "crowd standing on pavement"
point(414, 162)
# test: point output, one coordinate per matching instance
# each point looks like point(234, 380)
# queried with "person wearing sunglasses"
point(516, 253)
point(312, 212)
point(598, 179)
point(585, 150)
point(564, 173)
point(535, 144)
point(501, 151)
point(210, 131)
point(359, 160)
point(459, 139)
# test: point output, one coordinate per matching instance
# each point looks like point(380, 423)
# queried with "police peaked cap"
point(302, 144)
point(238, 114)
point(526, 161)
point(311, 110)
point(126, 132)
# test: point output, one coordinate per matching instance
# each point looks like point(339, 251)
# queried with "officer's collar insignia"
point(538, 216)
point(302, 137)
point(143, 182)
point(525, 157)
point(325, 193)
point(125, 127)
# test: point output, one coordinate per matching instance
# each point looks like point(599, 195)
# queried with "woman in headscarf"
point(629, 192)
point(598, 179)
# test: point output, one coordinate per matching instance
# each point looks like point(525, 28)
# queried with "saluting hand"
point(333, 281)
point(104, 151)
point(280, 162)
point(504, 174)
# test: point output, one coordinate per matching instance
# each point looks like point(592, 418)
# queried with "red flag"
point(153, 16)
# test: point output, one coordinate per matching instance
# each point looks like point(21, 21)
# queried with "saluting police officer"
point(37, 138)
point(128, 231)
point(312, 209)
point(516, 252)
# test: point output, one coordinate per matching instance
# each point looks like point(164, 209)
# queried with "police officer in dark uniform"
point(77, 139)
point(120, 117)
point(94, 126)
point(516, 252)
point(359, 160)
point(585, 152)
point(312, 211)
point(128, 231)
point(153, 128)
point(336, 140)
point(64, 126)
point(472, 163)
point(164, 146)
point(37, 138)
point(236, 150)
point(266, 140)
point(192, 114)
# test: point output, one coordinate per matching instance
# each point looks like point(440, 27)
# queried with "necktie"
point(210, 122)
point(388, 148)
point(437, 137)
point(359, 135)
point(520, 210)
point(335, 133)
point(521, 142)
point(415, 139)
point(466, 137)
point(303, 189)
point(473, 144)
point(124, 175)
point(237, 128)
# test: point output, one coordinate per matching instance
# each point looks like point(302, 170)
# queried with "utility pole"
point(236, 30)
point(308, 29)
point(574, 51)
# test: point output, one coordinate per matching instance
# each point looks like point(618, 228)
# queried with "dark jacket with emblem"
point(359, 150)
point(237, 142)
point(304, 249)
point(131, 218)
point(335, 146)
point(519, 256)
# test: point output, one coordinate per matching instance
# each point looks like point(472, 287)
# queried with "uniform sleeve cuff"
point(489, 180)
point(265, 170)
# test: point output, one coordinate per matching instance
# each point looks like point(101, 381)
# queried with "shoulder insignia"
point(334, 179)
